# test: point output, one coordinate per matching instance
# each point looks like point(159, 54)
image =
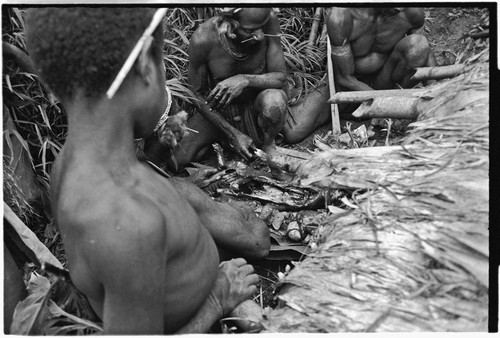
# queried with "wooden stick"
point(437, 73)
point(314, 28)
point(157, 17)
point(331, 84)
point(363, 95)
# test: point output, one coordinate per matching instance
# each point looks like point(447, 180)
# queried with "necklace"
point(229, 48)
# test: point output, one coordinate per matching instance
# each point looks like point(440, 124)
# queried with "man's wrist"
point(214, 303)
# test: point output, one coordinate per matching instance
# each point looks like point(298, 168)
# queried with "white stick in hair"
point(157, 18)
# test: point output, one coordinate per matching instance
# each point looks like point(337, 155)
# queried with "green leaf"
point(77, 323)
point(30, 313)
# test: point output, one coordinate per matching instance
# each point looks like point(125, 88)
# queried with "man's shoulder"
point(415, 16)
point(99, 206)
point(205, 33)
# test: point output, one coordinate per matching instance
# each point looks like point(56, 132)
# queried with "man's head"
point(83, 48)
point(390, 11)
point(247, 24)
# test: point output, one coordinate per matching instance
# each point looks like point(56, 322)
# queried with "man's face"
point(391, 11)
point(251, 25)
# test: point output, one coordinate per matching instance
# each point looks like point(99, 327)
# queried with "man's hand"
point(235, 283)
point(226, 91)
point(243, 145)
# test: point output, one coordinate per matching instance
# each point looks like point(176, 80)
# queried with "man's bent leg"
point(409, 53)
point(271, 105)
point(193, 145)
point(307, 115)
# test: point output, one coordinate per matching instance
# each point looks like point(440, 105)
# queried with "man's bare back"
point(144, 249)
point(148, 225)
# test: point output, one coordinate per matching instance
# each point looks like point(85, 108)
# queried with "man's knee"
point(415, 50)
point(272, 104)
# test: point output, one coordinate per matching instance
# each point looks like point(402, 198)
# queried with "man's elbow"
point(262, 243)
point(343, 82)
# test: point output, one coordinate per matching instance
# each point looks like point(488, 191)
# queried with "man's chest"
point(378, 36)
point(222, 65)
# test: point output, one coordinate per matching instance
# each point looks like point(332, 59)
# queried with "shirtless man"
point(143, 248)
point(238, 74)
point(372, 49)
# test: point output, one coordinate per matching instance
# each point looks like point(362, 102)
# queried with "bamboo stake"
point(157, 17)
point(331, 84)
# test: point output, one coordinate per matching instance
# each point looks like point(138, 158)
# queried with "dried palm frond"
point(412, 255)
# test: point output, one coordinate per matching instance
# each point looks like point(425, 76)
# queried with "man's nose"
point(259, 35)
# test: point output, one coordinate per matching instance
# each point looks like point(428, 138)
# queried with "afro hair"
point(85, 47)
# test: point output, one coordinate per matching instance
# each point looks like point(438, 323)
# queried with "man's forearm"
point(350, 83)
point(209, 313)
point(215, 118)
point(276, 80)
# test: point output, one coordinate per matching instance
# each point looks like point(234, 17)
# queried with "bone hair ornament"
point(129, 62)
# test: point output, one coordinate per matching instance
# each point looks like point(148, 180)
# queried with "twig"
point(253, 37)
point(389, 125)
point(348, 128)
point(378, 321)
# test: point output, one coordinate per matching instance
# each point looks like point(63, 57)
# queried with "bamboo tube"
point(389, 107)
point(359, 96)
point(437, 73)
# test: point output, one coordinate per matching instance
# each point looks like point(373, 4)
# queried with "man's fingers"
point(252, 279)
point(252, 290)
point(214, 94)
point(247, 269)
point(225, 98)
point(238, 261)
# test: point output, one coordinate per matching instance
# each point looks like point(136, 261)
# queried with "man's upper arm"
point(275, 57)
point(198, 63)
point(415, 16)
point(339, 28)
point(130, 263)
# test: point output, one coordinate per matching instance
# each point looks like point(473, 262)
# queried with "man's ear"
point(144, 63)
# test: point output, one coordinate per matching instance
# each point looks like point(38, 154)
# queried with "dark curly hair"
point(85, 47)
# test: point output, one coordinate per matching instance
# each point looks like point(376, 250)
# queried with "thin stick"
point(253, 37)
point(194, 131)
point(157, 17)
point(331, 84)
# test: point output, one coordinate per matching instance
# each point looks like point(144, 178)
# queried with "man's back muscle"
point(123, 216)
